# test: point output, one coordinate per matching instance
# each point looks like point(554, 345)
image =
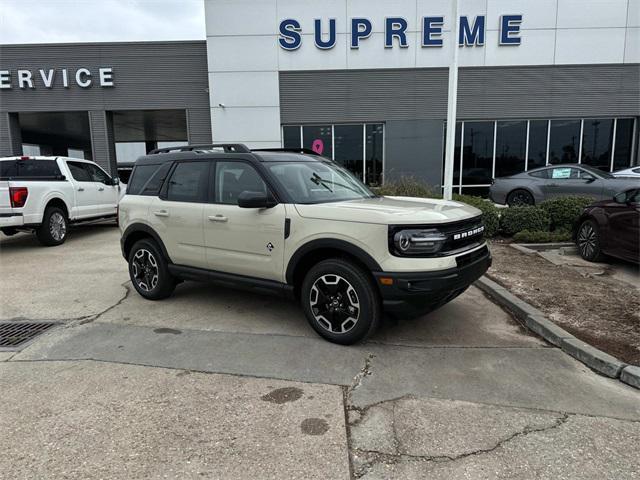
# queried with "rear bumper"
point(11, 220)
point(413, 293)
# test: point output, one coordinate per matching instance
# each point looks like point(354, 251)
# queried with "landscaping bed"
point(599, 310)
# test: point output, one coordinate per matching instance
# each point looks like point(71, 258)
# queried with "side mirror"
point(249, 199)
point(115, 181)
point(591, 179)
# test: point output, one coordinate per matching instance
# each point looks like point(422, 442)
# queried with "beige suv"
point(297, 224)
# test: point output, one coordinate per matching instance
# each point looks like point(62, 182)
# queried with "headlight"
point(419, 242)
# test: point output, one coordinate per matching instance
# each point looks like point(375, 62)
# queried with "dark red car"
point(611, 227)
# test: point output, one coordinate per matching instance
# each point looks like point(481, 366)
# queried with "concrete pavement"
point(465, 392)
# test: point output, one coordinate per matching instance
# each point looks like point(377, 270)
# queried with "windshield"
point(318, 182)
point(597, 172)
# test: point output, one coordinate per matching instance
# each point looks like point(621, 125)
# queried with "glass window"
point(96, 173)
point(564, 142)
point(75, 153)
point(130, 151)
point(538, 130)
point(476, 191)
point(291, 137)
point(233, 178)
point(540, 173)
point(318, 139)
point(188, 182)
point(511, 146)
point(349, 145)
point(29, 168)
point(374, 153)
point(79, 172)
point(597, 139)
point(624, 141)
point(568, 173)
point(318, 182)
point(477, 154)
point(30, 150)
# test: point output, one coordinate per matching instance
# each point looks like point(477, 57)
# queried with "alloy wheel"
point(145, 270)
point(334, 303)
point(521, 198)
point(57, 226)
point(587, 240)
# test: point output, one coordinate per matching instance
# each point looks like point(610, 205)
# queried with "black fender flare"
point(334, 244)
point(142, 227)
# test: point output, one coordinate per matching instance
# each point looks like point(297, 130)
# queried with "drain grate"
point(18, 334)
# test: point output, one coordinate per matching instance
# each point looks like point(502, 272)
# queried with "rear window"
point(30, 169)
point(147, 179)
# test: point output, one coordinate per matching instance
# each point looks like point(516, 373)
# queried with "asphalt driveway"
point(215, 383)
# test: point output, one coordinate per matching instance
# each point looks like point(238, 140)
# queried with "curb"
point(535, 320)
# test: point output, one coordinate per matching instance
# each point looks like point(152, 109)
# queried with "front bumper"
point(414, 293)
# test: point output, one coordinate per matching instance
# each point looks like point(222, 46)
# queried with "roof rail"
point(293, 150)
point(227, 147)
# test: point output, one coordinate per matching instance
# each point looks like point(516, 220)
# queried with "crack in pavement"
point(377, 457)
point(365, 371)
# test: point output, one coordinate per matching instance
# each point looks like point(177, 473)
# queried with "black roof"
point(227, 150)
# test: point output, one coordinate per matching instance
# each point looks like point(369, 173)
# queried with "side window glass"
point(79, 172)
point(188, 182)
point(585, 175)
point(233, 178)
point(97, 174)
point(562, 173)
point(540, 174)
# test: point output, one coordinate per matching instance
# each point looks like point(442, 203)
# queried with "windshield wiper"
point(318, 180)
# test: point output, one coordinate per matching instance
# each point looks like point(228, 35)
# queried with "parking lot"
point(216, 383)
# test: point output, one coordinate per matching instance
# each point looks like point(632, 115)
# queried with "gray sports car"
point(534, 186)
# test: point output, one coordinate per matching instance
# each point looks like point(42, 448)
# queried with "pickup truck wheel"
point(341, 301)
point(53, 230)
point(148, 271)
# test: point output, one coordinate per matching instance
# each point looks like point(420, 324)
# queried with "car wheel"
point(519, 198)
point(53, 230)
point(340, 301)
point(588, 241)
point(148, 271)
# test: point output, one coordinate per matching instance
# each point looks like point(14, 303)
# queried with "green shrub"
point(490, 213)
point(537, 236)
point(407, 187)
point(564, 211)
point(517, 219)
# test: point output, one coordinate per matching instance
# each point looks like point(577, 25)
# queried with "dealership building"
point(363, 82)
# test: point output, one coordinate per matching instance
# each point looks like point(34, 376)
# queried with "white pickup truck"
point(45, 194)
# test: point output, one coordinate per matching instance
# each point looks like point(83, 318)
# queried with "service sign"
point(471, 32)
point(52, 77)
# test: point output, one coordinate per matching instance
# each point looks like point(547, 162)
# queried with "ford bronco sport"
point(295, 223)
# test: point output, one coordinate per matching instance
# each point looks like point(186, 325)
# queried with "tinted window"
point(79, 172)
point(564, 141)
point(540, 174)
point(348, 141)
point(291, 137)
point(233, 178)
point(597, 139)
point(624, 142)
point(511, 145)
point(96, 173)
point(141, 175)
point(153, 185)
point(477, 155)
point(537, 143)
point(318, 139)
point(29, 168)
point(188, 182)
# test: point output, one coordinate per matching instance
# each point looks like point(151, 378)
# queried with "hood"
point(390, 210)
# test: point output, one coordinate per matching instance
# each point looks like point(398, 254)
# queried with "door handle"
point(100, 189)
point(80, 189)
point(161, 213)
point(218, 218)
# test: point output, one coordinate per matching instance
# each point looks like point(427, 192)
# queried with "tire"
point(54, 227)
point(519, 198)
point(341, 301)
point(588, 241)
point(149, 272)
point(8, 231)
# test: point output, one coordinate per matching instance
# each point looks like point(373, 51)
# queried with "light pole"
point(452, 104)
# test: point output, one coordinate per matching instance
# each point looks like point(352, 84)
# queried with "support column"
point(10, 135)
point(103, 146)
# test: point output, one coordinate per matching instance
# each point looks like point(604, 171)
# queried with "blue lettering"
point(357, 33)
point(471, 35)
point(290, 38)
point(510, 29)
point(395, 27)
point(320, 43)
point(432, 31)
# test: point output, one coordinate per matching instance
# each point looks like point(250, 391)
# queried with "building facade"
point(361, 81)
point(102, 101)
point(365, 82)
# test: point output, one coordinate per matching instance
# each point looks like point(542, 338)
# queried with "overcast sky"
point(49, 21)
